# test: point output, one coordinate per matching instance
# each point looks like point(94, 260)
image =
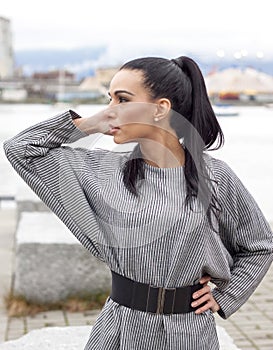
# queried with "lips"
point(113, 128)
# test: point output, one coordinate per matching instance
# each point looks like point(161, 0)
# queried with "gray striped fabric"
point(152, 238)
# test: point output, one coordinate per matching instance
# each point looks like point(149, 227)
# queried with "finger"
point(205, 298)
point(205, 307)
point(204, 303)
point(205, 279)
point(205, 290)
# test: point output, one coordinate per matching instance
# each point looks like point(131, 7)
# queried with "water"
point(248, 148)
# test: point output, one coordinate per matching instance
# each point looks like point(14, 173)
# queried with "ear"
point(162, 109)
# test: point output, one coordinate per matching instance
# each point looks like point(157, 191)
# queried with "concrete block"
point(51, 264)
point(27, 200)
point(29, 205)
point(75, 338)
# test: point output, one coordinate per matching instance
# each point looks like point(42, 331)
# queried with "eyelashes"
point(120, 99)
point(123, 99)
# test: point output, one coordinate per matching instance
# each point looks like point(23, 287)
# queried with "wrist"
point(216, 307)
point(77, 122)
point(85, 125)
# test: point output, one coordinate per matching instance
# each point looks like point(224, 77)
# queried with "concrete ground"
point(7, 229)
point(251, 327)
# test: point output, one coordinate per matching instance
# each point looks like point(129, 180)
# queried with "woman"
point(166, 217)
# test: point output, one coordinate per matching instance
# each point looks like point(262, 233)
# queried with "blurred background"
point(63, 52)
point(57, 55)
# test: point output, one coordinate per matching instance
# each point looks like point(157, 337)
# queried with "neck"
point(164, 152)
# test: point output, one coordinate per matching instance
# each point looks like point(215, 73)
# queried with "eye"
point(122, 99)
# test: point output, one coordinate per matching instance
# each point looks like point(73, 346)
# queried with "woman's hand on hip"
point(205, 297)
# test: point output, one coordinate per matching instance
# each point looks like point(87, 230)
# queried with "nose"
point(112, 103)
point(111, 112)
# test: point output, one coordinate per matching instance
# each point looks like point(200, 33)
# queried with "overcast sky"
point(143, 26)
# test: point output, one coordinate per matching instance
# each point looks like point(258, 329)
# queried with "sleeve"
point(53, 171)
point(248, 237)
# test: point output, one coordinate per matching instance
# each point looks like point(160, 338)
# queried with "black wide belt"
point(156, 300)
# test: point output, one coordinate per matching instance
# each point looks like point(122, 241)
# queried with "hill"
point(83, 61)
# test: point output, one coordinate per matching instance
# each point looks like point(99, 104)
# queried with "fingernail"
point(193, 304)
point(195, 295)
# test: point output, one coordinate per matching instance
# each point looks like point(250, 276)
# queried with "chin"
point(121, 140)
point(117, 140)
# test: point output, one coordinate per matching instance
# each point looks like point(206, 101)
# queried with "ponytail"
point(201, 136)
point(202, 116)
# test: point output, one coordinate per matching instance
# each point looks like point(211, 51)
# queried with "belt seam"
point(173, 300)
point(148, 297)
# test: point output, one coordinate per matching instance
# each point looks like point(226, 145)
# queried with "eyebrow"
point(121, 91)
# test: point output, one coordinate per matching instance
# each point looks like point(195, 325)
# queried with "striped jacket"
point(153, 238)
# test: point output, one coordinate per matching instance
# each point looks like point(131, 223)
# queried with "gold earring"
point(156, 119)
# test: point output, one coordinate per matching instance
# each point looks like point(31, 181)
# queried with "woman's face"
point(131, 109)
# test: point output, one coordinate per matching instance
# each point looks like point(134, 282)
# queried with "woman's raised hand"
point(97, 123)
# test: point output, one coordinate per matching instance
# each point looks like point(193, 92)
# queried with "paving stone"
point(246, 345)
point(45, 319)
point(2, 333)
point(16, 323)
point(91, 312)
point(16, 328)
point(82, 319)
point(264, 341)
point(15, 335)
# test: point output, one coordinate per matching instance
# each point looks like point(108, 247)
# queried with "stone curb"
point(75, 338)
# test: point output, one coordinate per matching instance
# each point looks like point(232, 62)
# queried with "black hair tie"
point(178, 64)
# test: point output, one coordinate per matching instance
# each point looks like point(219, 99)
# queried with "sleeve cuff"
point(76, 133)
point(74, 115)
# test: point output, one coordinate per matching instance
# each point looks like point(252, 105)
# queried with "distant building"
point(59, 75)
point(6, 51)
point(93, 84)
point(57, 85)
point(240, 84)
point(105, 75)
point(98, 84)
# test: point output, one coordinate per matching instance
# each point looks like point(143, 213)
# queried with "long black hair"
point(181, 81)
